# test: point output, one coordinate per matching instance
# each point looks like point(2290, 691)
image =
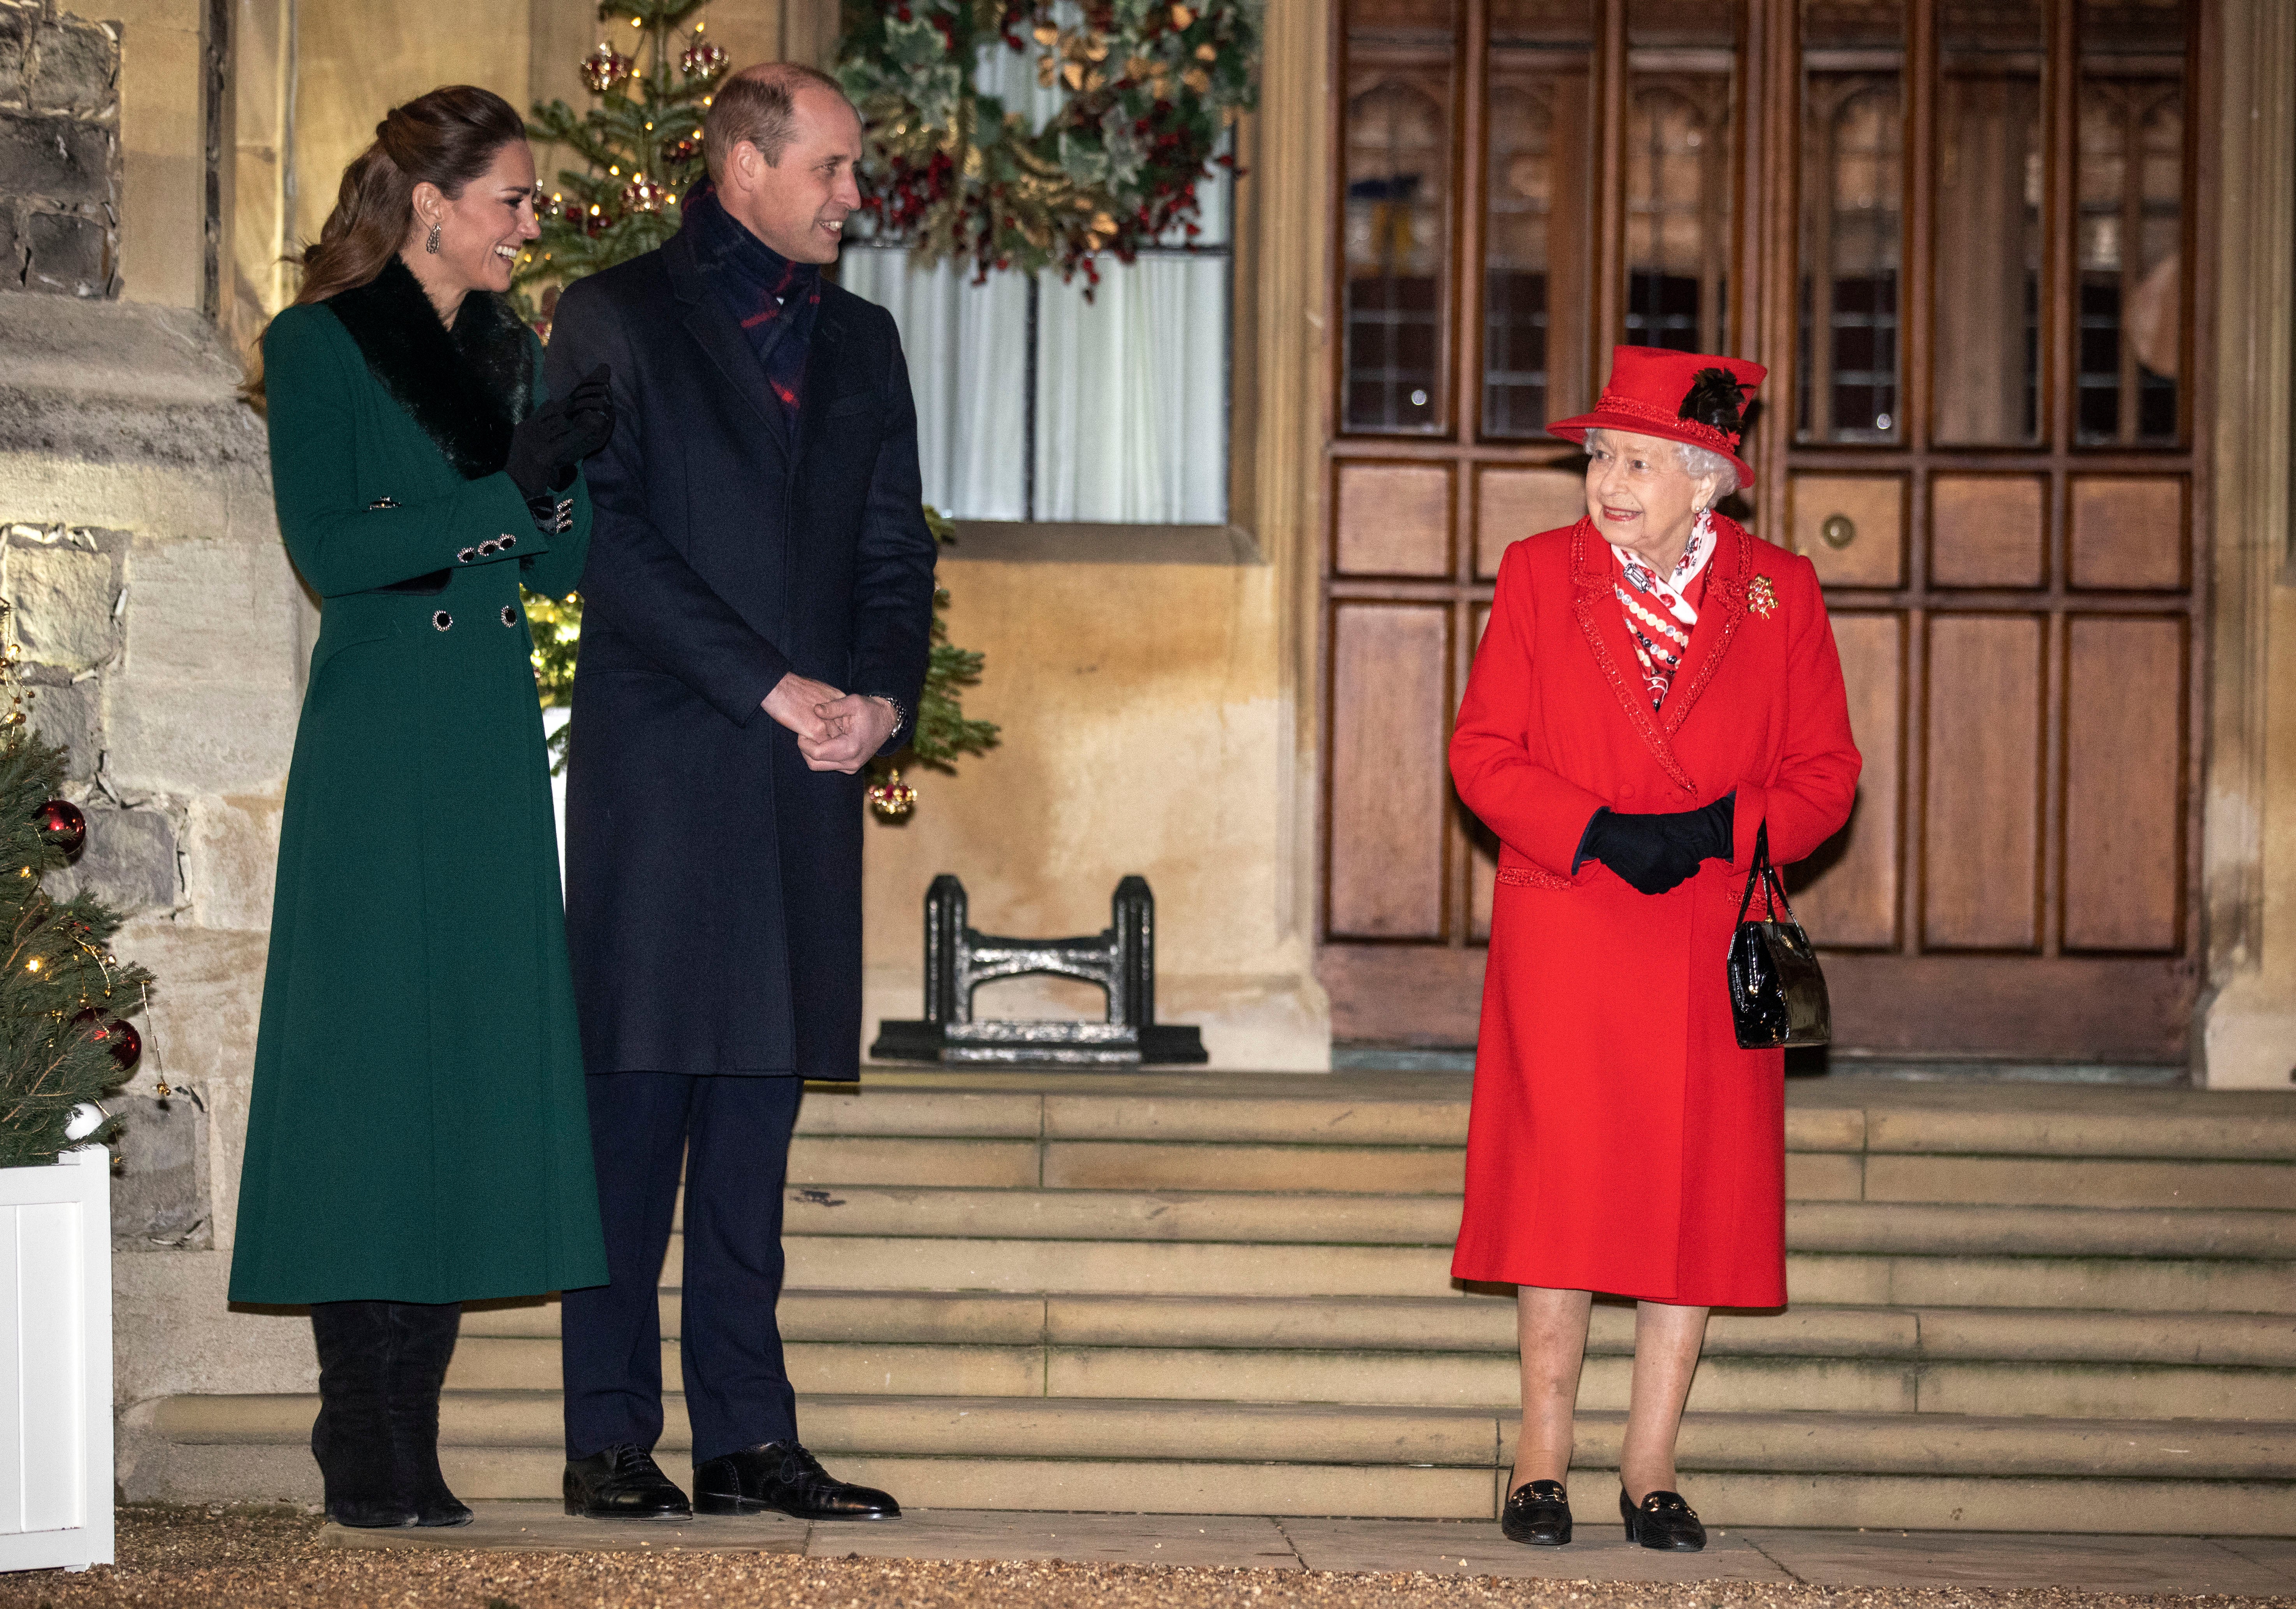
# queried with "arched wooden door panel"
point(1961, 237)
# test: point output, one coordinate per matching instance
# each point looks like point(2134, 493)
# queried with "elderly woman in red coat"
point(1655, 688)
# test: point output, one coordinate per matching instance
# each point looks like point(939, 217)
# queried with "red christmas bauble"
point(61, 821)
point(120, 1038)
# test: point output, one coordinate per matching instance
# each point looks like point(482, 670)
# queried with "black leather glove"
point(1655, 853)
point(547, 445)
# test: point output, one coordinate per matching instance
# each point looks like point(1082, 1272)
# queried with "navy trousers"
point(731, 1134)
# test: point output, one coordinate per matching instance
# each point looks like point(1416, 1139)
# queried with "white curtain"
point(968, 355)
point(1132, 394)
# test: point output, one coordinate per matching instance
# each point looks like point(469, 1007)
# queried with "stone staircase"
point(2015, 1307)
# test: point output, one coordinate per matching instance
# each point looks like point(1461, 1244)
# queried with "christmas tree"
point(641, 146)
point(62, 992)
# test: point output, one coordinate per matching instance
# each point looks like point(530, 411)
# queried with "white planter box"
point(55, 1363)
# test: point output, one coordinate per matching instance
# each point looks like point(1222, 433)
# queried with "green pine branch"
point(55, 965)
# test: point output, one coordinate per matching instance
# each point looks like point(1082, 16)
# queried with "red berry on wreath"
point(60, 820)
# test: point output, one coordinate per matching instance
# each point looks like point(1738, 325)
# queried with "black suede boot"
point(352, 1437)
point(425, 1334)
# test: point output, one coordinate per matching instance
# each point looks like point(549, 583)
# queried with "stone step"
point(836, 1160)
point(1470, 1322)
point(1726, 1383)
point(1932, 1471)
point(1301, 1218)
point(1196, 1269)
point(1424, 1110)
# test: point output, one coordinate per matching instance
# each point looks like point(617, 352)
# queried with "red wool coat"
point(1619, 1139)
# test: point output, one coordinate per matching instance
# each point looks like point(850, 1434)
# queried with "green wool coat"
point(419, 1131)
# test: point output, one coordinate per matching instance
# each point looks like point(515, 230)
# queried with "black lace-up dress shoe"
point(1538, 1513)
point(623, 1483)
point(782, 1475)
point(1663, 1521)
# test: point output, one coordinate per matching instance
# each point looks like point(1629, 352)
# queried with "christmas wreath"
point(956, 176)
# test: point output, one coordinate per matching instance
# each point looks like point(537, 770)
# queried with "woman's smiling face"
point(482, 231)
point(1639, 496)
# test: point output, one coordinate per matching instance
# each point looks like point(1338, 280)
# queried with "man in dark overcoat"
point(756, 623)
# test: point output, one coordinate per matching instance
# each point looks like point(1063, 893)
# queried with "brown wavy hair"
point(448, 137)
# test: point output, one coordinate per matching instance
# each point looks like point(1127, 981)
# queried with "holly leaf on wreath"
point(1150, 90)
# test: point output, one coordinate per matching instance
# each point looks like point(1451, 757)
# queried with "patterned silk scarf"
point(1662, 614)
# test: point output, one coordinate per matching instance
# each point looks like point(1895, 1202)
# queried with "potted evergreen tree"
point(62, 1045)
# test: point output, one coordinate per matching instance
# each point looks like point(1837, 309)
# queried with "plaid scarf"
point(1662, 614)
point(775, 300)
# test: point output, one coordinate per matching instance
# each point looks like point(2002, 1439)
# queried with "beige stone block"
point(1114, 1165)
point(871, 1109)
point(1421, 1379)
point(2144, 1566)
point(1824, 1175)
point(1811, 1126)
point(163, 184)
point(1932, 1229)
point(2215, 1340)
point(1454, 1324)
point(2140, 1284)
point(39, 487)
point(62, 595)
point(874, 1316)
point(1421, 1221)
point(210, 610)
point(501, 1364)
point(233, 859)
point(2185, 1124)
point(201, 1030)
point(174, 1332)
point(819, 1159)
point(1352, 1118)
point(193, 738)
point(2107, 1391)
point(2083, 1182)
point(1138, 1268)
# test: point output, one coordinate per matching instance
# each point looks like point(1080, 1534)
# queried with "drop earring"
point(431, 245)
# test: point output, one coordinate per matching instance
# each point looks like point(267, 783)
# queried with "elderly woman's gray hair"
point(1697, 461)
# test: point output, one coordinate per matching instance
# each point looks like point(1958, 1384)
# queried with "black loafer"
point(783, 1477)
point(1538, 1513)
point(623, 1483)
point(1664, 1521)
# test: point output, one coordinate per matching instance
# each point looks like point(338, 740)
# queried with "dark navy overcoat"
point(713, 882)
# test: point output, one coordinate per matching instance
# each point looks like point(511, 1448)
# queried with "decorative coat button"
point(383, 502)
point(507, 541)
point(486, 550)
point(510, 615)
point(466, 556)
point(442, 620)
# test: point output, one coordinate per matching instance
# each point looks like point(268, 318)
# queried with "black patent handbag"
point(1777, 995)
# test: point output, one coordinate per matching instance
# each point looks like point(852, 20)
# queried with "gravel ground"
point(213, 1558)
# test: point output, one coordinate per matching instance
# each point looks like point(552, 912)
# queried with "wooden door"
point(1958, 234)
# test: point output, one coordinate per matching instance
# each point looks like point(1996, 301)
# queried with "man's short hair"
point(759, 104)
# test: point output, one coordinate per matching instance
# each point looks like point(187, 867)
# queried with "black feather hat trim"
point(1716, 401)
point(464, 387)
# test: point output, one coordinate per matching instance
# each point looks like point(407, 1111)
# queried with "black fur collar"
point(464, 387)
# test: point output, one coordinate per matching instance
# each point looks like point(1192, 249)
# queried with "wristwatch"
point(901, 713)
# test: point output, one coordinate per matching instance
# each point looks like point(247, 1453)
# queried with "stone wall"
point(164, 633)
point(58, 151)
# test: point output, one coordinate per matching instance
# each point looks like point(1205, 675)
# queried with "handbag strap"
point(1764, 872)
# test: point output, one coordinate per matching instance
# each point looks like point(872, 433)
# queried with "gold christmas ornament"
point(892, 798)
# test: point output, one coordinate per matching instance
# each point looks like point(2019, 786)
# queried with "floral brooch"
point(1760, 598)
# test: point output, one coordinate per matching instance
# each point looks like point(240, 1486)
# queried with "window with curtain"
point(1038, 401)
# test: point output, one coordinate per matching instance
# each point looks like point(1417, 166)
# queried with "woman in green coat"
point(418, 1137)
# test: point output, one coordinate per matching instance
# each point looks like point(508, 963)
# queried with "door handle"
point(1838, 532)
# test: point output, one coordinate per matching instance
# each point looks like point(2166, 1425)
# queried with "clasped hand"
point(835, 731)
point(1657, 853)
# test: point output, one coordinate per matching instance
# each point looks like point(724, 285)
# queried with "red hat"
point(1681, 395)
